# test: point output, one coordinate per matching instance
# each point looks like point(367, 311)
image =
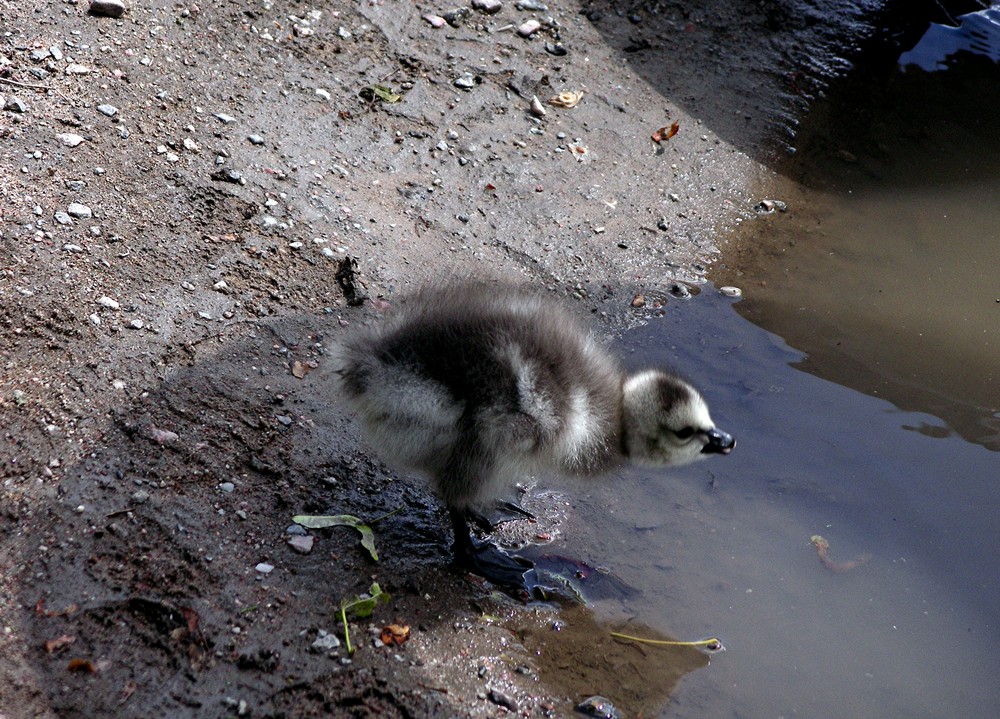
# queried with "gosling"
point(477, 386)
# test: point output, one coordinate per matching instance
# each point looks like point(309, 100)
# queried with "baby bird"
point(478, 386)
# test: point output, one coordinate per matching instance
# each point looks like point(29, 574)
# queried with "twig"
point(27, 85)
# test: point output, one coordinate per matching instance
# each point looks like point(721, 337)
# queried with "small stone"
point(528, 28)
point(62, 218)
point(435, 20)
point(108, 303)
point(224, 118)
point(76, 249)
point(140, 496)
point(766, 207)
point(70, 139)
point(109, 110)
point(79, 210)
point(229, 175)
point(325, 642)
point(531, 5)
point(490, 7)
point(302, 545)
point(107, 8)
point(15, 104)
point(501, 699)
point(76, 68)
point(39, 55)
point(220, 286)
point(466, 82)
point(74, 185)
point(264, 568)
point(536, 108)
point(56, 53)
point(731, 291)
point(456, 17)
point(255, 140)
point(323, 94)
point(284, 419)
point(136, 325)
point(598, 706)
point(227, 487)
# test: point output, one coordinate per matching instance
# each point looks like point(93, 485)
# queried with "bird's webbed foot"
point(501, 513)
point(486, 559)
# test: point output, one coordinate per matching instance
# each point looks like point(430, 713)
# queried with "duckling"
point(477, 386)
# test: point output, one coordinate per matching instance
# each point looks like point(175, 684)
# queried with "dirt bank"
point(196, 200)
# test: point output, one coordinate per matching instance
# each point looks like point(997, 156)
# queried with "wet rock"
point(79, 210)
point(107, 8)
point(731, 291)
point(490, 7)
point(501, 699)
point(106, 109)
point(598, 706)
point(766, 207)
point(680, 291)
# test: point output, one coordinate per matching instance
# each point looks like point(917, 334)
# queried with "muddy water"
point(723, 549)
point(871, 417)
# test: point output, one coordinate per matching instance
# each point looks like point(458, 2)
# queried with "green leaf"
point(380, 92)
point(362, 607)
point(341, 520)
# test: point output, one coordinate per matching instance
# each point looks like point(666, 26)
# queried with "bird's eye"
point(686, 433)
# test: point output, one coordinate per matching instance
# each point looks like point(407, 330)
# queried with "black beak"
point(719, 442)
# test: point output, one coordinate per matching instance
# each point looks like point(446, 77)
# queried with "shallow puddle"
point(723, 548)
point(876, 426)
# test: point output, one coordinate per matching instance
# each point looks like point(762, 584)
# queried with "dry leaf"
point(395, 634)
point(665, 133)
point(566, 99)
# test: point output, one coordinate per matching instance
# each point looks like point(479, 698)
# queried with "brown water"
point(885, 270)
point(869, 416)
point(722, 548)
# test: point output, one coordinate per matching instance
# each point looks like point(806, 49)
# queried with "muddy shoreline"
point(198, 199)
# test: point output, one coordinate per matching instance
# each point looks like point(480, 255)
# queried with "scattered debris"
point(665, 133)
point(397, 634)
point(766, 207)
point(567, 99)
point(371, 93)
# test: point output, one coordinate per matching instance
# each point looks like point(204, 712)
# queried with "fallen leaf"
point(395, 634)
point(567, 99)
point(54, 645)
point(379, 92)
point(341, 520)
point(665, 133)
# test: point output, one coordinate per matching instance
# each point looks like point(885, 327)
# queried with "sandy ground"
point(247, 194)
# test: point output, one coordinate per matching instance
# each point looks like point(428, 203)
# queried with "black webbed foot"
point(503, 512)
point(486, 559)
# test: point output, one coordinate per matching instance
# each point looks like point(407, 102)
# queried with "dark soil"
point(156, 447)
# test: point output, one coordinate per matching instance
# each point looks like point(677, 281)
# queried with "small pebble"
point(490, 7)
point(264, 568)
point(768, 206)
point(107, 8)
point(15, 104)
point(72, 248)
point(323, 94)
point(70, 139)
point(140, 496)
point(435, 20)
point(136, 324)
point(457, 16)
point(302, 545)
point(536, 108)
point(62, 218)
point(227, 487)
point(531, 5)
point(256, 140)
point(79, 210)
point(529, 28)
point(598, 706)
point(224, 118)
point(109, 110)
point(108, 303)
point(325, 642)
point(731, 291)
point(465, 82)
